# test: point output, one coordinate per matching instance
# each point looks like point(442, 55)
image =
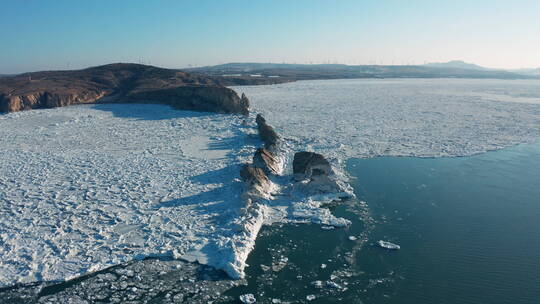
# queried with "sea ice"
point(83, 188)
point(95, 186)
point(400, 117)
point(99, 185)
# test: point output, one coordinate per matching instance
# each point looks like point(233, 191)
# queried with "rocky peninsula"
point(118, 83)
point(267, 185)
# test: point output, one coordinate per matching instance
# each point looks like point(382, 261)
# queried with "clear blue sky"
point(57, 34)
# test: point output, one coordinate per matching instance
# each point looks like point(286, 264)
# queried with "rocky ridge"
point(267, 133)
point(264, 181)
point(258, 190)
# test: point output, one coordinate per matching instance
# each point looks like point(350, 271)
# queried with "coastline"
point(224, 247)
point(298, 134)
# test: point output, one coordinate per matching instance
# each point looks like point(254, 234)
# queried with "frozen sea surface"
point(401, 117)
point(83, 188)
point(87, 187)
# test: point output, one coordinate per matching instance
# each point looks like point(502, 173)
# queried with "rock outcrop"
point(311, 164)
point(316, 176)
point(46, 99)
point(266, 160)
point(196, 98)
point(118, 83)
point(267, 133)
point(257, 183)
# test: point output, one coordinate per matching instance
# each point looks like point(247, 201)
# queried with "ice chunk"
point(388, 245)
point(317, 284)
point(248, 298)
point(333, 284)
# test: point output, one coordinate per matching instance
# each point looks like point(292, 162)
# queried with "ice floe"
point(248, 298)
point(388, 245)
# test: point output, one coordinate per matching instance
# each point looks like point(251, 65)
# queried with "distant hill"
point(456, 64)
point(120, 82)
point(531, 72)
point(534, 72)
point(255, 66)
point(291, 72)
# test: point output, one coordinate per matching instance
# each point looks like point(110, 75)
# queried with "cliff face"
point(196, 98)
point(118, 83)
point(46, 99)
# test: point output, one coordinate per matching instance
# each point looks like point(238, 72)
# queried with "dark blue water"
point(469, 229)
